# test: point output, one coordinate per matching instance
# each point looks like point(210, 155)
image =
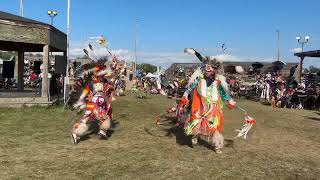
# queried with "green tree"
point(313, 69)
point(146, 68)
point(38, 55)
point(306, 70)
point(82, 57)
point(6, 55)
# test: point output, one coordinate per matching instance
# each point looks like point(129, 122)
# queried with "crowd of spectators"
point(33, 79)
point(145, 85)
point(278, 91)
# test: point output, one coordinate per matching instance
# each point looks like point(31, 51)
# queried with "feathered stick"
point(249, 122)
point(194, 52)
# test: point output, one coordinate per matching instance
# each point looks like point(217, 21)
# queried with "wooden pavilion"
point(26, 35)
point(302, 55)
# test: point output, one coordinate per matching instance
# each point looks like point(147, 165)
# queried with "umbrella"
point(257, 65)
point(281, 63)
point(278, 65)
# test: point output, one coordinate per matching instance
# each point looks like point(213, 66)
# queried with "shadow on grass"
point(181, 138)
point(94, 129)
point(168, 128)
point(312, 118)
point(266, 103)
point(204, 141)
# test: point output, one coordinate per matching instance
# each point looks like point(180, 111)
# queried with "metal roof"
point(22, 34)
point(315, 53)
point(12, 17)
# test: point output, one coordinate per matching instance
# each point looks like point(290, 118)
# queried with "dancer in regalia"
point(96, 96)
point(207, 90)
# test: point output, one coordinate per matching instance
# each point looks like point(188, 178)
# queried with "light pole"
point(21, 8)
point(302, 41)
point(52, 14)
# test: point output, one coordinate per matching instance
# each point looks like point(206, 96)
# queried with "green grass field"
point(35, 144)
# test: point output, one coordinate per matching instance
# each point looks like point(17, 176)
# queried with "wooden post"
point(222, 68)
point(45, 61)
point(20, 70)
point(300, 70)
point(65, 58)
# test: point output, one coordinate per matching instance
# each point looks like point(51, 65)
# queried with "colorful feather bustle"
point(98, 91)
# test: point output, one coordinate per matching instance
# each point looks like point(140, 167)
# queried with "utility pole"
point(68, 30)
point(67, 68)
point(135, 47)
point(278, 43)
point(21, 8)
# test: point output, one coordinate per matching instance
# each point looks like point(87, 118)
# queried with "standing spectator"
point(265, 95)
point(268, 76)
point(130, 75)
point(61, 83)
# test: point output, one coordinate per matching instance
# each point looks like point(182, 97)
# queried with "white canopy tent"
point(150, 75)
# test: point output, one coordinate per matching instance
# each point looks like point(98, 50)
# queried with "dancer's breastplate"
point(211, 92)
point(96, 104)
point(99, 100)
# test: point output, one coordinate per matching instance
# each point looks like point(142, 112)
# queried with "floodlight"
point(307, 38)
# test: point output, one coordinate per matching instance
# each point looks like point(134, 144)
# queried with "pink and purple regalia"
point(96, 97)
point(95, 101)
point(207, 91)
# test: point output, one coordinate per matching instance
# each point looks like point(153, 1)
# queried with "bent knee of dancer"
point(105, 125)
point(80, 129)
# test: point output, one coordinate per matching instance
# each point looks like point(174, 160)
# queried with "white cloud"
point(122, 54)
point(296, 50)
point(94, 38)
point(233, 58)
point(164, 59)
point(76, 51)
point(227, 57)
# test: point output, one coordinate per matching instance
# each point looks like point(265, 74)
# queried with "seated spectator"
point(232, 82)
point(290, 90)
point(33, 76)
point(301, 89)
point(278, 95)
point(285, 100)
point(242, 91)
point(268, 76)
point(318, 97)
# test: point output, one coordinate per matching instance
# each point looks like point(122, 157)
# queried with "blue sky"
point(166, 27)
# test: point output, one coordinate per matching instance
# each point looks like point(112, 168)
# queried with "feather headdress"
point(97, 55)
point(207, 60)
point(204, 59)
